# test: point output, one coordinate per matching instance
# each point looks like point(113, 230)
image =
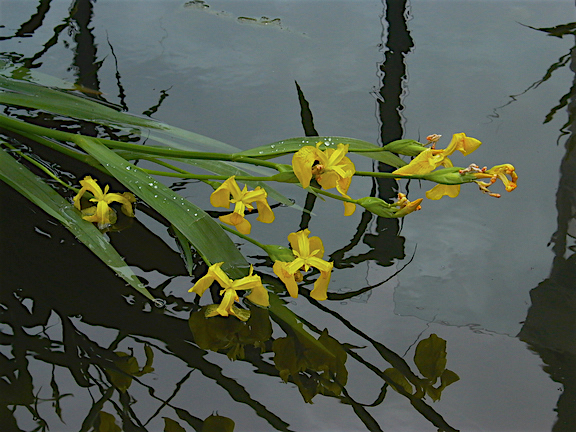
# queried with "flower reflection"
point(315, 368)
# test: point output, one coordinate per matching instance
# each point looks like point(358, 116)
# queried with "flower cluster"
point(318, 170)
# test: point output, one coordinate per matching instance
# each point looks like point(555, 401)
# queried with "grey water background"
point(488, 275)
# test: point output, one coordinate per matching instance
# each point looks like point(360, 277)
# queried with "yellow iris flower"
point(101, 213)
point(258, 296)
point(430, 159)
point(331, 168)
point(229, 192)
point(308, 252)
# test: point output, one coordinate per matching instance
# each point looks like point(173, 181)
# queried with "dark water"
point(492, 277)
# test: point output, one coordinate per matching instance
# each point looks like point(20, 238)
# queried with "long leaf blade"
point(291, 145)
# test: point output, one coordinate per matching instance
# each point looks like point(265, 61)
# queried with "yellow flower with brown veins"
point(101, 213)
point(252, 282)
point(229, 192)
point(308, 253)
point(430, 159)
point(331, 168)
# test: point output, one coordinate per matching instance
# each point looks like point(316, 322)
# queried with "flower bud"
point(406, 147)
point(450, 176)
point(377, 206)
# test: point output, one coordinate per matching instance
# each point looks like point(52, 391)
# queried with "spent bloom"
point(430, 159)
point(308, 252)
point(330, 168)
point(258, 294)
point(102, 213)
point(497, 172)
point(229, 192)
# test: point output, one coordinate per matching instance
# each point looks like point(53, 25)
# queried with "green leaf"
point(205, 235)
point(33, 188)
point(30, 95)
point(292, 145)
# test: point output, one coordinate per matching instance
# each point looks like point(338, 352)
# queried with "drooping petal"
point(281, 270)
point(265, 213)
point(320, 291)
point(441, 190)
point(205, 281)
point(259, 295)
point(236, 220)
point(302, 162)
point(425, 162)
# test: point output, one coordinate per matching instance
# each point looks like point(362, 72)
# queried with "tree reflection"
point(550, 326)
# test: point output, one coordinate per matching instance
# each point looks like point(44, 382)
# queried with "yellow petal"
point(265, 213)
point(409, 208)
point(228, 300)
point(92, 186)
point(299, 242)
point(462, 143)
point(349, 208)
point(320, 291)
point(315, 244)
point(320, 264)
point(259, 295)
point(302, 162)
point(441, 190)
point(205, 281)
point(236, 220)
point(425, 162)
point(281, 270)
point(221, 196)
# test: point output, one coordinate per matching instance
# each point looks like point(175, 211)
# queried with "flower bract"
point(229, 192)
point(258, 294)
point(102, 213)
point(330, 168)
point(308, 252)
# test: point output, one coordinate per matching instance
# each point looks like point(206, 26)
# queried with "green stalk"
point(41, 167)
point(17, 125)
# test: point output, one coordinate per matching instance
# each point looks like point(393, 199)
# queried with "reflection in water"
point(550, 326)
point(63, 319)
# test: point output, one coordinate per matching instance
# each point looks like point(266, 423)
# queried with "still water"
point(492, 277)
